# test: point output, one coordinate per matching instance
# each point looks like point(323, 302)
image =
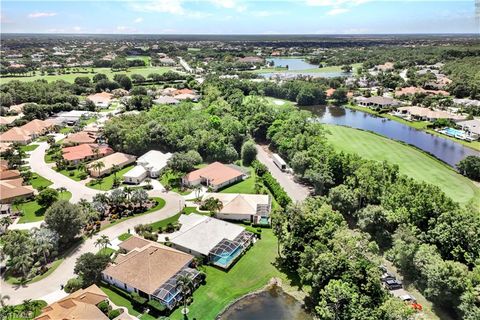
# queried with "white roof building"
point(73, 116)
point(150, 164)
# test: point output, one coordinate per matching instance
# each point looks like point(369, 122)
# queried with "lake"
point(295, 67)
point(444, 149)
point(272, 304)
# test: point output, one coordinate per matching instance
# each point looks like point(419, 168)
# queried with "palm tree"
point(185, 285)
point(28, 307)
point(197, 188)
point(23, 263)
point(98, 165)
point(128, 192)
point(115, 169)
point(103, 242)
point(3, 298)
point(44, 248)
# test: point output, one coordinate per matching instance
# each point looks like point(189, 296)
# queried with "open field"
point(410, 160)
point(33, 212)
point(86, 72)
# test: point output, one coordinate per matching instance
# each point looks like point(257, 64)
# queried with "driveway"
point(296, 191)
point(49, 287)
point(38, 165)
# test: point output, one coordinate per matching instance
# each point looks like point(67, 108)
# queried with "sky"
point(239, 16)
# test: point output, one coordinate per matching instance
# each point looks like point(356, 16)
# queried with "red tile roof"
point(217, 173)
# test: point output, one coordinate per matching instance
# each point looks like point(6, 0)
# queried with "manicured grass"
point(410, 160)
point(146, 59)
point(106, 251)
point(124, 236)
point(75, 176)
point(163, 223)
point(144, 71)
point(420, 125)
point(106, 183)
point(246, 186)
point(33, 212)
point(250, 273)
point(66, 130)
point(173, 178)
point(188, 210)
point(160, 204)
point(29, 147)
point(18, 309)
point(39, 182)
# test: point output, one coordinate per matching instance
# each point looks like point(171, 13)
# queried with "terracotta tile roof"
point(9, 174)
point(102, 97)
point(148, 268)
point(117, 158)
point(80, 305)
point(83, 151)
point(133, 243)
point(4, 146)
point(183, 91)
point(413, 90)
point(237, 203)
point(37, 126)
point(13, 188)
point(217, 173)
point(15, 134)
point(8, 120)
point(80, 137)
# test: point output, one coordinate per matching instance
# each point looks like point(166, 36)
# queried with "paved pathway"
point(295, 190)
point(37, 163)
point(49, 287)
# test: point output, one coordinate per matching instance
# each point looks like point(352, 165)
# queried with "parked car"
point(393, 284)
point(387, 276)
point(408, 298)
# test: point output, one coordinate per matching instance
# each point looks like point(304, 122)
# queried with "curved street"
point(49, 288)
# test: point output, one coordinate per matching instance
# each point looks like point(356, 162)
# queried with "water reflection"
point(446, 150)
point(273, 304)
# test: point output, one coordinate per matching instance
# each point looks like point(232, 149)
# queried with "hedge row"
point(271, 183)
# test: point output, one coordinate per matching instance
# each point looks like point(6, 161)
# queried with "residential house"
point(377, 102)
point(101, 100)
point(8, 120)
point(26, 133)
point(165, 100)
point(215, 176)
point(151, 270)
point(81, 137)
point(85, 152)
point(426, 114)
point(221, 242)
point(150, 164)
point(410, 91)
point(241, 207)
point(12, 189)
point(73, 117)
point(79, 305)
point(472, 127)
point(111, 161)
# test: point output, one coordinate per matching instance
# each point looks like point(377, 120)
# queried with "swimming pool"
point(225, 259)
point(263, 220)
point(454, 132)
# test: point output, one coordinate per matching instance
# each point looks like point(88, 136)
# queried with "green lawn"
point(19, 309)
point(328, 69)
point(29, 147)
point(246, 186)
point(66, 130)
point(146, 59)
point(124, 236)
point(144, 71)
point(160, 205)
point(188, 210)
point(39, 182)
point(72, 173)
point(410, 160)
point(33, 212)
point(163, 223)
point(250, 273)
point(173, 178)
point(106, 183)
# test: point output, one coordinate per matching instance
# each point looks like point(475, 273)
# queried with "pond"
point(295, 68)
point(444, 149)
point(272, 304)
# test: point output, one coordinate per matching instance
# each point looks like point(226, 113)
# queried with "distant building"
point(101, 100)
point(72, 117)
point(117, 159)
point(81, 137)
point(472, 127)
point(85, 152)
point(12, 189)
point(426, 114)
point(148, 165)
point(377, 102)
point(26, 133)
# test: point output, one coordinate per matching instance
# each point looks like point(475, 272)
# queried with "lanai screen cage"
point(169, 293)
point(226, 251)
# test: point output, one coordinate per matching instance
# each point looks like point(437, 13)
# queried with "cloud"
point(138, 20)
point(41, 14)
point(336, 11)
point(230, 4)
point(162, 6)
point(262, 14)
point(334, 3)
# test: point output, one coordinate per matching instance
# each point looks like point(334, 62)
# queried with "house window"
point(125, 285)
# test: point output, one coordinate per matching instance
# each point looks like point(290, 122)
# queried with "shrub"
point(150, 236)
point(73, 284)
point(136, 299)
point(104, 307)
point(114, 313)
point(276, 189)
point(82, 175)
point(157, 306)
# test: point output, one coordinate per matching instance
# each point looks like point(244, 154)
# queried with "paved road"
point(37, 163)
point(49, 288)
point(295, 190)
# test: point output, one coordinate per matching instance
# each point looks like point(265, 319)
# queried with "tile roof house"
point(9, 174)
point(377, 101)
point(26, 133)
point(241, 207)
point(215, 176)
point(80, 305)
point(7, 120)
point(85, 152)
point(80, 138)
point(116, 159)
point(407, 91)
point(101, 100)
point(12, 189)
point(420, 113)
point(16, 134)
point(151, 270)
